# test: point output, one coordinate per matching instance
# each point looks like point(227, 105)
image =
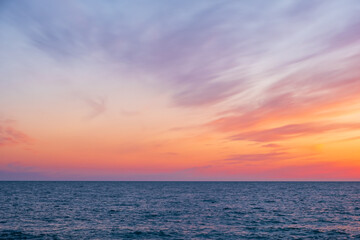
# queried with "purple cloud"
point(191, 48)
point(22, 176)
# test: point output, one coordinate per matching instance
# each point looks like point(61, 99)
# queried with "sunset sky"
point(180, 90)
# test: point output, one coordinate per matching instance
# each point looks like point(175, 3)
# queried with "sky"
point(180, 90)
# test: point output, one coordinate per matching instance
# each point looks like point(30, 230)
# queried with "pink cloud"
point(9, 135)
point(271, 145)
point(257, 157)
point(293, 131)
point(317, 94)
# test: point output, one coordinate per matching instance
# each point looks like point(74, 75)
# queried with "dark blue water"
point(179, 210)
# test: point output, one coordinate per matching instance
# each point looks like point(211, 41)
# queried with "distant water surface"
point(179, 210)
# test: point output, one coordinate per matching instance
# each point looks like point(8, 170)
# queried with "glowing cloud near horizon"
point(180, 90)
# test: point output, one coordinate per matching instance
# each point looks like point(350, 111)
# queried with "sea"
point(179, 210)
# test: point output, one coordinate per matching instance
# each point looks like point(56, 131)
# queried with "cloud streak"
point(273, 156)
point(293, 131)
point(9, 135)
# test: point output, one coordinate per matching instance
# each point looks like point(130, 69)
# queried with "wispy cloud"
point(97, 106)
point(10, 135)
point(271, 145)
point(204, 56)
point(297, 96)
point(293, 131)
point(272, 156)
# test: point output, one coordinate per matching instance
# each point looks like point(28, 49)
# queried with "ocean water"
point(179, 210)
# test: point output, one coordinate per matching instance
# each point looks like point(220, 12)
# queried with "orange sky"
point(230, 91)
